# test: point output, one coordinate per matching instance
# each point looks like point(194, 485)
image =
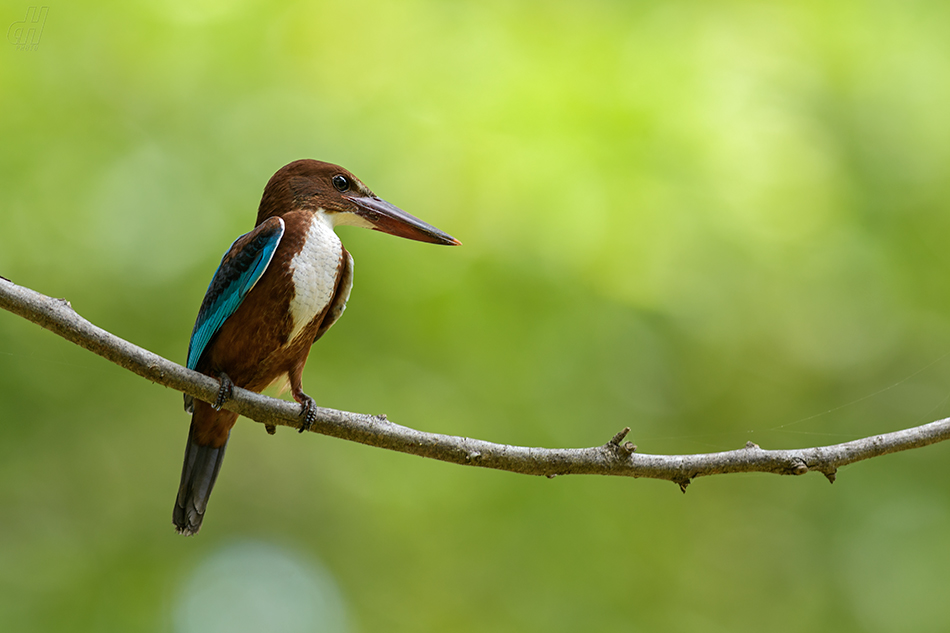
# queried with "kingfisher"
point(278, 289)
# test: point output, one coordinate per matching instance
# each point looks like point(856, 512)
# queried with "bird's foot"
point(309, 412)
point(224, 392)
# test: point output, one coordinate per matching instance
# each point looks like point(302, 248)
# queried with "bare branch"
point(616, 457)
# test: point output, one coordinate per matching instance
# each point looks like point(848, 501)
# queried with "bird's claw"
point(309, 414)
point(225, 391)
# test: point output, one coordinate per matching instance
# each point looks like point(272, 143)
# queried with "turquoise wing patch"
point(240, 268)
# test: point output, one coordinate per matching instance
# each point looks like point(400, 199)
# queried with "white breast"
point(315, 269)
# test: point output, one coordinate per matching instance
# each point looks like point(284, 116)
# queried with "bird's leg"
point(225, 391)
point(296, 388)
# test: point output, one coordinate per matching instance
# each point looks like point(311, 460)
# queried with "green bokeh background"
point(711, 221)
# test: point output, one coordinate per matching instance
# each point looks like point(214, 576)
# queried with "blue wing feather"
point(240, 268)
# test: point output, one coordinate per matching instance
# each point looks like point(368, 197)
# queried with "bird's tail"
point(203, 457)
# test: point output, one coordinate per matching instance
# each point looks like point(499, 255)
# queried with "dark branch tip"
point(831, 475)
point(682, 484)
point(270, 428)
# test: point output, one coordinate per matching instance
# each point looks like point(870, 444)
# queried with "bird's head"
point(343, 199)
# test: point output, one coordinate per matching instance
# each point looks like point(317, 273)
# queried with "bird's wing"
point(340, 296)
point(240, 268)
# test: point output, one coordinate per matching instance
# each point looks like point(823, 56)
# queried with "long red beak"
point(389, 218)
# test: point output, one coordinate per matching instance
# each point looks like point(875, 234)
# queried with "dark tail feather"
point(198, 474)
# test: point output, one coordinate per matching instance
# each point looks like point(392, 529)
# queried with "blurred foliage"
point(710, 221)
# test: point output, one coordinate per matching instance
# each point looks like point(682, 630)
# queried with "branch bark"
point(616, 457)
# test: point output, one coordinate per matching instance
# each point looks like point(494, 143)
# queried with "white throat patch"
point(315, 269)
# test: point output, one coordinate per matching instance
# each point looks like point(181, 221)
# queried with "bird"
point(277, 290)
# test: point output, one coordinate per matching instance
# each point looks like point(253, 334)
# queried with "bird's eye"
point(341, 183)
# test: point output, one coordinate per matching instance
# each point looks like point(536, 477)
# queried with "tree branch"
point(616, 457)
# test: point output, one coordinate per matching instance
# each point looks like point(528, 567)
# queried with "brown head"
point(329, 189)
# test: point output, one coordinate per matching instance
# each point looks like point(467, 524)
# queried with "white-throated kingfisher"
point(276, 291)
